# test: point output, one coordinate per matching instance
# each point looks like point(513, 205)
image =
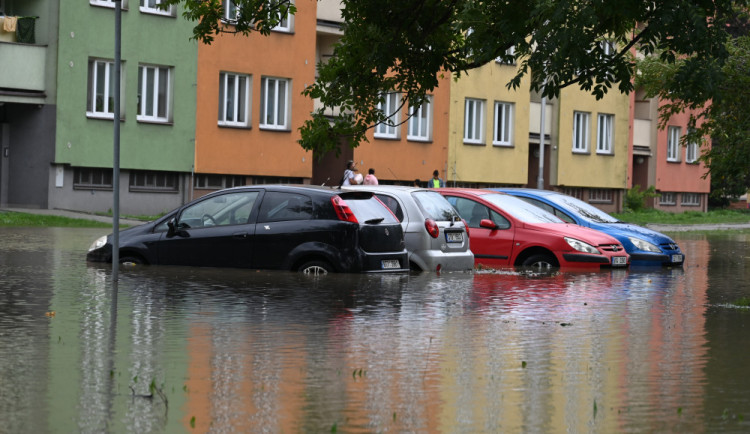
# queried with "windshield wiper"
point(373, 221)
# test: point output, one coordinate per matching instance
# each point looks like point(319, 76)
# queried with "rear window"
point(435, 206)
point(368, 209)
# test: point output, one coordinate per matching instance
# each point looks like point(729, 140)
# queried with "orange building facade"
point(250, 106)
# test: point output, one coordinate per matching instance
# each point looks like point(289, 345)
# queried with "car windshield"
point(435, 206)
point(583, 209)
point(520, 209)
point(368, 209)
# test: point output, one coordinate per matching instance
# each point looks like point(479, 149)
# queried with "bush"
point(635, 199)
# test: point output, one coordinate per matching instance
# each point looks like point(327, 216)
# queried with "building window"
point(154, 93)
point(260, 180)
point(572, 191)
point(668, 199)
point(503, 124)
point(108, 3)
point(604, 136)
point(152, 7)
point(92, 178)
point(509, 58)
point(231, 11)
point(691, 199)
point(285, 22)
point(474, 121)
point(673, 144)
point(608, 48)
point(234, 97)
point(600, 195)
point(146, 180)
point(101, 89)
point(217, 182)
point(691, 152)
point(274, 103)
point(388, 105)
point(420, 122)
point(581, 132)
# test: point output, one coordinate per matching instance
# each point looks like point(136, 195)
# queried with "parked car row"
point(318, 230)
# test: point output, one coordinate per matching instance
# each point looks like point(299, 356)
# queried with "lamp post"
point(116, 159)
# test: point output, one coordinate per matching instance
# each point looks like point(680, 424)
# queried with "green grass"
point(8, 218)
point(685, 218)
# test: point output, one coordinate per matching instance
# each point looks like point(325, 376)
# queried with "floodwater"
point(171, 349)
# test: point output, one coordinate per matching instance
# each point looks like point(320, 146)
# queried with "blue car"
point(645, 246)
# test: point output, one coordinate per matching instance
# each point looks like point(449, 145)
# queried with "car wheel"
point(540, 261)
point(315, 268)
point(131, 260)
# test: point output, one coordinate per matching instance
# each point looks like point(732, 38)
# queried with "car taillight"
point(432, 228)
point(466, 226)
point(343, 211)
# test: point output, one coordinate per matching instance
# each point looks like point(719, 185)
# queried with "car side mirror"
point(488, 224)
point(171, 228)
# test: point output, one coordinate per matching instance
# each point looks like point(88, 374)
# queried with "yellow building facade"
point(488, 139)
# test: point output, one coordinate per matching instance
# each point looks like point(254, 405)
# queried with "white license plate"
point(390, 264)
point(619, 260)
point(454, 237)
point(677, 258)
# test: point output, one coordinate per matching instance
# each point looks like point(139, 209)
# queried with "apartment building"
point(660, 159)
point(250, 106)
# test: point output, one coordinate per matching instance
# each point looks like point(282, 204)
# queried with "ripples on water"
point(250, 351)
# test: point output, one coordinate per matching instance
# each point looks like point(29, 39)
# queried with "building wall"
point(485, 162)
point(403, 159)
point(252, 150)
point(86, 31)
point(592, 169)
point(679, 177)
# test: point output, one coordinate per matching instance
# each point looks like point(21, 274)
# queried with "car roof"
point(473, 191)
point(387, 188)
point(532, 191)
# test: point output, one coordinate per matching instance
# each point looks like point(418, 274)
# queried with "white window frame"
point(690, 199)
point(275, 103)
point(108, 3)
point(474, 121)
point(149, 111)
point(605, 133)
point(154, 9)
point(93, 83)
point(388, 105)
point(601, 195)
point(691, 152)
point(240, 101)
point(229, 6)
point(581, 132)
point(286, 25)
point(509, 52)
point(668, 198)
point(673, 143)
point(502, 127)
point(420, 122)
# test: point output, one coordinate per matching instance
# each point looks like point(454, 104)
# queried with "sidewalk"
point(74, 215)
point(697, 227)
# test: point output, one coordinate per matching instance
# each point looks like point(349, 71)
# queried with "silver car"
point(435, 235)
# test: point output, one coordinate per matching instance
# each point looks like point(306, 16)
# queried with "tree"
point(406, 45)
point(725, 118)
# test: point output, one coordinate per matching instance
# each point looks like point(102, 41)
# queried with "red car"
point(507, 231)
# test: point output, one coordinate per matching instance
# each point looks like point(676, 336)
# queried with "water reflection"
point(177, 348)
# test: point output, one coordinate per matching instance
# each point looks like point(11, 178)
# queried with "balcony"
point(22, 70)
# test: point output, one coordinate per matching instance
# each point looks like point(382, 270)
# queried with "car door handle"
point(239, 235)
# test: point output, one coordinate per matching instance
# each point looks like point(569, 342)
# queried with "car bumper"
point(430, 260)
point(103, 254)
point(376, 262)
point(582, 259)
point(656, 259)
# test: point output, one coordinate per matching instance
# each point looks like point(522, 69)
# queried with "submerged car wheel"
point(131, 260)
point(540, 261)
point(315, 268)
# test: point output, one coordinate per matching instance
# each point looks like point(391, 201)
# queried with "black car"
point(299, 228)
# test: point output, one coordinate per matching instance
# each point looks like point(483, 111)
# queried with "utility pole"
point(116, 160)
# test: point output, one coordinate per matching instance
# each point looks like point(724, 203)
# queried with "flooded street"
point(176, 349)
